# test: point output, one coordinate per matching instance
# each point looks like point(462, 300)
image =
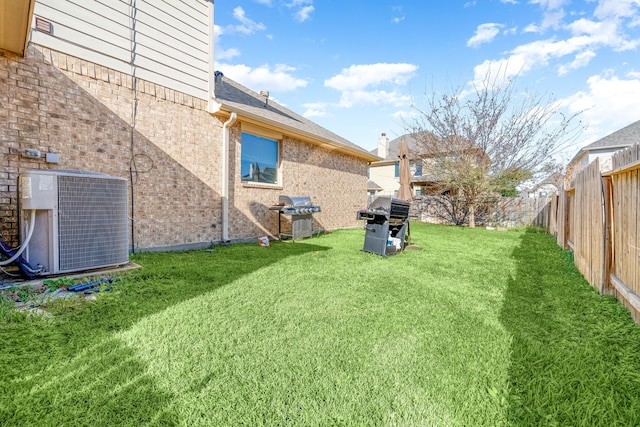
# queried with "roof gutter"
point(225, 175)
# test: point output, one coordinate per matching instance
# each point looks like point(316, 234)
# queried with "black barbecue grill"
point(298, 213)
point(387, 221)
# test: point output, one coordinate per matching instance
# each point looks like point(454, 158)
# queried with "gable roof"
point(622, 138)
point(372, 186)
point(247, 104)
point(394, 147)
point(417, 148)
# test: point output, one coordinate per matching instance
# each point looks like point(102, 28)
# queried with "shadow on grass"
point(574, 352)
point(71, 370)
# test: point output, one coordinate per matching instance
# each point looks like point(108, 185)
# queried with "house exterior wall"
point(85, 113)
point(168, 43)
point(384, 176)
point(333, 181)
point(164, 140)
point(605, 156)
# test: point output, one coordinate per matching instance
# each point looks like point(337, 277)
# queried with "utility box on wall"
point(80, 219)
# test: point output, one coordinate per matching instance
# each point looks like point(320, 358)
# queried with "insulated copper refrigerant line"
point(88, 285)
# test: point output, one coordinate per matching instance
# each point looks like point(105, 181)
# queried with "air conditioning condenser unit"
point(80, 220)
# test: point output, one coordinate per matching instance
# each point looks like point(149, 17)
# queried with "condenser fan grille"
point(92, 222)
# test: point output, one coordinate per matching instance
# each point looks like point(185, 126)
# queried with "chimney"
point(383, 146)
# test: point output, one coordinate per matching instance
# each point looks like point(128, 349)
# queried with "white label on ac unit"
point(26, 187)
point(46, 183)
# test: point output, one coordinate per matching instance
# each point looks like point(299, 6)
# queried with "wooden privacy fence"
point(598, 219)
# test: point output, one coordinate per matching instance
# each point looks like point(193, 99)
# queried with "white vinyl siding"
point(169, 43)
point(383, 175)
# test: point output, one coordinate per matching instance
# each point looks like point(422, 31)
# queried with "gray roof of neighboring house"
point(622, 138)
point(394, 147)
point(372, 186)
point(245, 102)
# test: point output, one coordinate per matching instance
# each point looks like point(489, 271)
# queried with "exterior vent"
point(44, 25)
point(81, 220)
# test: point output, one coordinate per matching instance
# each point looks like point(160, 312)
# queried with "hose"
point(26, 241)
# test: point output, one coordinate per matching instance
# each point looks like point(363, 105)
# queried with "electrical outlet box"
point(31, 153)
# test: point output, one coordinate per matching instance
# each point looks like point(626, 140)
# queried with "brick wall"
point(165, 141)
point(334, 181)
point(85, 113)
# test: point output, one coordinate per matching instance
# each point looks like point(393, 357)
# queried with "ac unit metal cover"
point(91, 219)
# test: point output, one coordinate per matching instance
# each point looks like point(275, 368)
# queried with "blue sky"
point(355, 67)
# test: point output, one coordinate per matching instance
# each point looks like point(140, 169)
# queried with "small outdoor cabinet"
point(386, 225)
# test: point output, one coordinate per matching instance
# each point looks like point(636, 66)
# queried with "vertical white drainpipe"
point(225, 175)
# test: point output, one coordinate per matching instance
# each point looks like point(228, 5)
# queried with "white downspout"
point(225, 175)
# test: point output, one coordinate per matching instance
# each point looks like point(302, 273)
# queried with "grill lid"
point(295, 201)
point(386, 206)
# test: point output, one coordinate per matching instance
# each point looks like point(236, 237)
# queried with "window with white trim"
point(260, 158)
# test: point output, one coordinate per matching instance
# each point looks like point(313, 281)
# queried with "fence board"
point(625, 262)
point(587, 225)
point(561, 219)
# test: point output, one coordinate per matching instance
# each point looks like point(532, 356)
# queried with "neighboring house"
point(373, 188)
point(603, 149)
point(546, 187)
point(130, 90)
point(424, 166)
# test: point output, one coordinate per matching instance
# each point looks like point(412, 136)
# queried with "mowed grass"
point(476, 328)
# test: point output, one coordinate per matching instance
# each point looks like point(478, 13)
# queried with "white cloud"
point(219, 51)
point(304, 13)
point(398, 19)
point(278, 78)
point(359, 77)
point(616, 8)
point(532, 28)
point(581, 60)
point(605, 32)
point(265, 2)
point(609, 103)
point(316, 109)
point(587, 38)
point(225, 54)
point(247, 26)
point(552, 18)
point(374, 97)
point(303, 9)
point(550, 4)
point(485, 33)
point(369, 84)
point(499, 71)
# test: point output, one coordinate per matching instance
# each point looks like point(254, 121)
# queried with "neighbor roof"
point(394, 147)
point(246, 103)
point(372, 186)
point(625, 137)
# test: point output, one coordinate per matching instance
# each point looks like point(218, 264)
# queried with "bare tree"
point(489, 140)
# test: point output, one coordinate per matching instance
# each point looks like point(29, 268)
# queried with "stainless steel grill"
point(298, 217)
point(387, 221)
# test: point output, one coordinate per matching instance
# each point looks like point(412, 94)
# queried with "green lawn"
point(476, 328)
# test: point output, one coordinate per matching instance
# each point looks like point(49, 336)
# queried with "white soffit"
point(15, 24)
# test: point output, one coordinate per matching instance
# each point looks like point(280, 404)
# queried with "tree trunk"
point(472, 216)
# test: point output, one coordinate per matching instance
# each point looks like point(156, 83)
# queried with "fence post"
point(609, 250)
